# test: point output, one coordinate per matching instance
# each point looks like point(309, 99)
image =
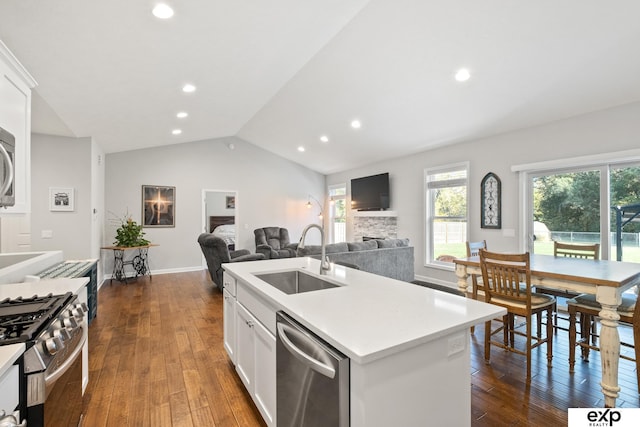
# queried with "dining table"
point(605, 279)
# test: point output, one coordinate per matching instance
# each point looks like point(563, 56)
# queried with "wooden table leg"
point(461, 273)
point(609, 299)
point(118, 266)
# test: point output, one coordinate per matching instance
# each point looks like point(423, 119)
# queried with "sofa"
point(389, 257)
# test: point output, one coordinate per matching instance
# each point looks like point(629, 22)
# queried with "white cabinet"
point(229, 318)
point(264, 380)
point(15, 117)
point(245, 346)
point(256, 362)
point(229, 315)
point(250, 344)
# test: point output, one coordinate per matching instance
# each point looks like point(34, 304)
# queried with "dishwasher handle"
point(316, 365)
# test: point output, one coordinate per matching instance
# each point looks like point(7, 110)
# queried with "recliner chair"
point(274, 243)
point(216, 253)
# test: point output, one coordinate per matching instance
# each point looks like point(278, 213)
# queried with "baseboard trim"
point(156, 273)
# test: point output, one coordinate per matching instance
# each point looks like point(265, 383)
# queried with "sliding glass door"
point(566, 208)
point(576, 205)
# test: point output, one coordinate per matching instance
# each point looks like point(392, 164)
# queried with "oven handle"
point(53, 377)
point(9, 180)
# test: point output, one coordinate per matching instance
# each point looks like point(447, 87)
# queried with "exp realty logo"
point(604, 417)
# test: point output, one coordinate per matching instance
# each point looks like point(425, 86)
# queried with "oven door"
point(62, 388)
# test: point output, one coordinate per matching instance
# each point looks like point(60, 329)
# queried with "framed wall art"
point(490, 195)
point(231, 202)
point(61, 199)
point(158, 206)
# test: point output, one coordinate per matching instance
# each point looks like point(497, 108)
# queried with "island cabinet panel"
point(255, 348)
point(229, 318)
point(245, 345)
point(428, 384)
point(265, 373)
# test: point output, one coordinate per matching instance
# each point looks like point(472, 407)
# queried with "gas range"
point(21, 319)
point(53, 329)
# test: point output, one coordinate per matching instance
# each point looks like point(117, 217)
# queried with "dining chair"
point(473, 249)
point(568, 250)
point(586, 306)
point(507, 283)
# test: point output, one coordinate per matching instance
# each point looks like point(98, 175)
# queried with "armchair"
point(274, 242)
point(216, 253)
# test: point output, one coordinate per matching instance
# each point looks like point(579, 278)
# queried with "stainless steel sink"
point(295, 281)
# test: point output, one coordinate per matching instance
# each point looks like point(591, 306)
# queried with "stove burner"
point(21, 319)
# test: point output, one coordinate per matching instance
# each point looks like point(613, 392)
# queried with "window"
point(338, 213)
point(577, 202)
point(446, 214)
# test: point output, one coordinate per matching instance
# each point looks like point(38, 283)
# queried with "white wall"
point(616, 129)
point(270, 191)
point(58, 161)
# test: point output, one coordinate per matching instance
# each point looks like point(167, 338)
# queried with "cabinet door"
point(229, 318)
point(15, 117)
point(245, 345)
point(265, 373)
point(229, 283)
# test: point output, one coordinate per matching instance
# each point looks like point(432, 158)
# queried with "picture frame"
point(490, 196)
point(158, 206)
point(61, 199)
point(230, 202)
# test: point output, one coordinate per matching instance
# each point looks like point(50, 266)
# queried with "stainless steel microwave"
point(7, 168)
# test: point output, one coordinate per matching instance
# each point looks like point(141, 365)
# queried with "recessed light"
point(176, 131)
point(162, 11)
point(188, 88)
point(182, 115)
point(356, 124)
point(462, 75)
point(301, 149)
point(324, 138)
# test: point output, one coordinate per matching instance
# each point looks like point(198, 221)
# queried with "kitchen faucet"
point(324, 261)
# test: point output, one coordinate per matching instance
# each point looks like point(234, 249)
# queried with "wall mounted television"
point(370, 193)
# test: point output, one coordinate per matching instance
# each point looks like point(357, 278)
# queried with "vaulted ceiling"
point(283, 73)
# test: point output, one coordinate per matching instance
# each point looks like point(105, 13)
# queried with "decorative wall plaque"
point(490, 189)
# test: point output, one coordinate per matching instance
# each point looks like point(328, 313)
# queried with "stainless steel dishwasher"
point(312, 378)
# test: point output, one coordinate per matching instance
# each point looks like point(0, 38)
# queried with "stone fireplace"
point(375, 224)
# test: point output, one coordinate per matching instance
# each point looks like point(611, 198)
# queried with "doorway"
point(219, 210)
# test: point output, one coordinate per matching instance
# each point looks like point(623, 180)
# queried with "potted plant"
point(130, 234)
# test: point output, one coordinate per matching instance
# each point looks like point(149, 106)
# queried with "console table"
point(139, 262)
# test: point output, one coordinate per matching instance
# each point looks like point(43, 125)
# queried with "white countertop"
point(371, 316)
point(8, 355)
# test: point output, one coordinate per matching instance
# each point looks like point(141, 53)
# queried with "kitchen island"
point(408, 345)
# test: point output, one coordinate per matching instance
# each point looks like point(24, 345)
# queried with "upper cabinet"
point(15, 117)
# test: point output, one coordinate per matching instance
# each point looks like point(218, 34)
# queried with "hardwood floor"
point(156, 359)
